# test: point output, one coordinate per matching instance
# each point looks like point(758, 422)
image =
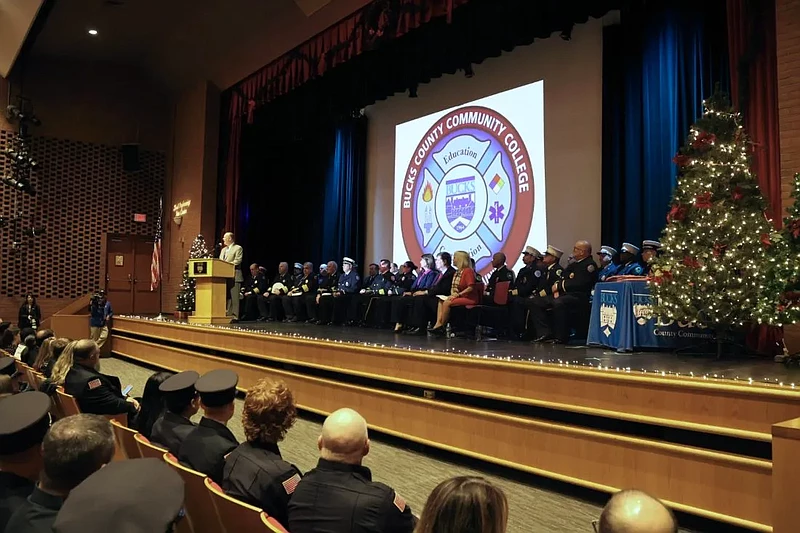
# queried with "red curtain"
point(364, 30)
point(754, 87)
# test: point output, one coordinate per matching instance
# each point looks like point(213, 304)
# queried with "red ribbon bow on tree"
point(691, 262)
point(703, 201)
point(794, 227)
point(719, 249)
point(765, 240)
point(704, 141)
point(737, 194)
point(681, 160)
point(676, 213)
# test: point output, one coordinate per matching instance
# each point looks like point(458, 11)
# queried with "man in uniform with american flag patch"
point(339, 494)
point(255, 472)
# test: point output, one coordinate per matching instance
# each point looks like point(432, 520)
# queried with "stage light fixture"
point(412, 91)
point(93, 32)
point(468, 72)
point(566, 33)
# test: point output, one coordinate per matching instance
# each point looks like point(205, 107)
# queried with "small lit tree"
point(185, 298)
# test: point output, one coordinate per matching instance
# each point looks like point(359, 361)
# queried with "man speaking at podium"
point(232, 253)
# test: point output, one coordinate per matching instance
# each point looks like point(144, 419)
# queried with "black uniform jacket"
point(205, 448)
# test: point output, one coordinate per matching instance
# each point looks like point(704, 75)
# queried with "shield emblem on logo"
point(460, 202)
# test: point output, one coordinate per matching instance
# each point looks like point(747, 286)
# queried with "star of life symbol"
point(608, 319)
point(464, 200)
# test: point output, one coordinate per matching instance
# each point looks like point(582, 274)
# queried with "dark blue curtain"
point(658, 65)
point(344, 217)
point(302, 193)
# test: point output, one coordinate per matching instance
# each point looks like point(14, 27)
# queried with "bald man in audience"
point(634, 511)
point(339, 494)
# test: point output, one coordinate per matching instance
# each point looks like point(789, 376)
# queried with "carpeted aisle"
point(412, 474)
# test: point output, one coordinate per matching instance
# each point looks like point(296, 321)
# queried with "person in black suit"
point(426, 303)
point(205, 448)
point(30, 314)
point(501, 272)
point(294, 303)
point(182, 402)
point(255, 472)
point(570, 299)
point(95, 393)
point(256, 286)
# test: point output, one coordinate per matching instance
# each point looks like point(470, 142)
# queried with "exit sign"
point(139, 217)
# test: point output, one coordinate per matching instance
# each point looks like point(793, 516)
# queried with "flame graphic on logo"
point(427, 194)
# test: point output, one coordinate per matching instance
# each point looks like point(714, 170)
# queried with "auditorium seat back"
point(501, 292)
point(147, 448)
point(236, 516)
point(67, 403)
point(273, 524)
point(126, 440)
point(200, 510)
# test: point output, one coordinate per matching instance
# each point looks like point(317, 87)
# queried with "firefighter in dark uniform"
point(372, 273)
point(96, 393)
point(570, 299)
point(255, 472)
point(297, 274)
point(381, 284)
point(501, 273)
point(136, 495)
point(339, 494)
point(542, 295)
point(280, 286)
point(526, 283)
point(380, 310)
point(294, 303)
point(650, 250)
point(182, 403)
point(325, 290)
point(205, 448)
point(606, 263)
point(333, 309)
point(24, 421)
point(256, 286)
point(629, 261)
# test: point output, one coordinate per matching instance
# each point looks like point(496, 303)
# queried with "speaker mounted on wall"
point(130, 157)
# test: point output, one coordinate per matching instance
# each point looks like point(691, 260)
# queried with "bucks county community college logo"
point(468, 186)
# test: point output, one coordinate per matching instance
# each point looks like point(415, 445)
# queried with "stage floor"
point(741, 369)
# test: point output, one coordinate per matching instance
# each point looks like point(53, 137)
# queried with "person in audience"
point(607, 266)
point(256, 286)
point(464, 505)
point(8, 367)
point(325, 288)
point(629, 261)
point(182, 403)
point(30, 314)
point(101, 315)
point(569, 306)
point(294, 303)
point(73, 449)
point(634, 511)
point(464, 291)
point(44, 334)
point(152, 404)
point(6, 385)
point(339, 494)
point(48, 355)
point(402, 306)
point(96, 393)
point(426, 303)
point(255, 472)
point(205, 447)
point(9, 341)
point(24, 421)
point(501, 272)
point(24, 348)
point(133, 496)
point(33, 353)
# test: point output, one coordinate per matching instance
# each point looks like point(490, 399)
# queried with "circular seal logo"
point(468, 186)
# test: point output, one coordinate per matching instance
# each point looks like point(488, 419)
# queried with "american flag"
point(155, 262)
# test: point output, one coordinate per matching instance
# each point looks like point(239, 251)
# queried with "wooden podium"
point(211, 290)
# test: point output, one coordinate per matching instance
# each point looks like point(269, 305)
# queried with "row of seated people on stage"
point(64, 477)
point(545, 301)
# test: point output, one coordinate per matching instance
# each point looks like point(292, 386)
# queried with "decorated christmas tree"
point(185, 298)
point(723, 263)
point(790, 307)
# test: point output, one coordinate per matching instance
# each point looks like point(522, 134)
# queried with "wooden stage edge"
point(417, 396)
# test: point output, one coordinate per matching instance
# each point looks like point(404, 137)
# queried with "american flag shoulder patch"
point(290, 484)
point(94, 384)
point(399, 502)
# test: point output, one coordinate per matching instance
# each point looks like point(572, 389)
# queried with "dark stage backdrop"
point(658, 65)
point(303, 195)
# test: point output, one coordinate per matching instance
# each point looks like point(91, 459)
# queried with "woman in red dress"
point(464, 291)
